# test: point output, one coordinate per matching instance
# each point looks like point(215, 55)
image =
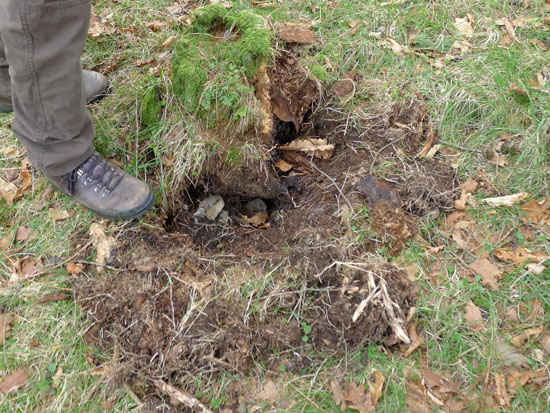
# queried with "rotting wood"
point(181, 396)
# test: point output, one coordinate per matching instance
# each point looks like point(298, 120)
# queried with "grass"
point(472, 105)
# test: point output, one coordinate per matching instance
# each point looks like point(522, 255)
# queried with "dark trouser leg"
point(5, 94)
point(43, 41)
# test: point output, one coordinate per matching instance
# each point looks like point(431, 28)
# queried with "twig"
point(132, 395)
point(181, 396)
point(334, 183)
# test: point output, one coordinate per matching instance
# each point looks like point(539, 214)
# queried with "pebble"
point(256, 205)
point(210, 208)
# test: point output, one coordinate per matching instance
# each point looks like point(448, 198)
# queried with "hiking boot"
point(105, 189)
point(95, 88)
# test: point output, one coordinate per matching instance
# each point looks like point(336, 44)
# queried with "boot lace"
point(95, 170)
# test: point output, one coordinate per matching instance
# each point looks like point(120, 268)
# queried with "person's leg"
point(43, 41)
point(5, 91)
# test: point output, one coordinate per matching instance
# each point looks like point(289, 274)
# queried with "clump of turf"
point(151, 107)
point(215, 61)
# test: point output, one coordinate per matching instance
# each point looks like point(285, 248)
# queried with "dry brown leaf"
point(545, 341)
point(539, 44)
point(258, 220)
point(375, 390)
point(473, 317)
point(416, 340)
point(294, 33)
point(439, 385)
point(99, 27)
point(507, 200)
point(508, 27)
point(520, 340)
point(58, 214)
point(460, 204)
point(464, 26)
point(519, 255)
point(416, 399)
point(470, 186)
point(11, 383)
point(338, 395)
point(26, 179)
point(283, 165)
point(28, 267)
point(102, 243)
point(22, 233)
point(398, 49)
point(168, 42)
point(269, 392)
point(358, 400)
point(74, 269)
point(536, 211)
point(8, 191)
point(318, 148)
point(488, 271)
point(6, 321)
point(509, 355)
point(157, 25)
point(503, 397)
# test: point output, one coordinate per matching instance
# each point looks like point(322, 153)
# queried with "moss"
point(151, 107)
point(225, 64)
point(319, 72)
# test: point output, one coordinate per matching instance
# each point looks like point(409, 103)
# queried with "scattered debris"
point(318, 148)
point(507, 200)
point(102, 243)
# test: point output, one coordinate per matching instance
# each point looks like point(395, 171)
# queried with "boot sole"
point(128, 214)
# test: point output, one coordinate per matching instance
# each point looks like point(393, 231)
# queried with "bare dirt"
point(196, 298)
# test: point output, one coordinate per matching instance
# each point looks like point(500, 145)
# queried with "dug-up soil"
point(192, 299)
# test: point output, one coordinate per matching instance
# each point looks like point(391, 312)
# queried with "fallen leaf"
point(488, 271)
point(338, 395)
point(464, 26)
point(520, 340)
point(257, 220)
point(11, 383)
point(58, 214)
point(102, 243)
point(508, 27)
point(283, 165)
point(294, 33)
point(269, 392)
point(460, 204)
point(157, 25)
point(470, 186)
point(375, 390)
point(6, 321)
point(507, 200)
point(509, 355)
point(519, 255)
point(8, 191)
point(26, 179)
point(318, 148)
point(99, 27)
point(536, 211)
point(439, 385)
point(416, 340)
point(416, 399)
point(539, 44)
point(74, 269)
point(398, 49)
point(358, 400)
point(473, 317)
point(56, 379)
point(168, 42)
point(503, 397)
point(22, 233)
point(536, 269)
point(28, 267)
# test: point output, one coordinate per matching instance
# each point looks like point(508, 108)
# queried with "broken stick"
point(182, 396)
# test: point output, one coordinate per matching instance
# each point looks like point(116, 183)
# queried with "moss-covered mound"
point(215, 61)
